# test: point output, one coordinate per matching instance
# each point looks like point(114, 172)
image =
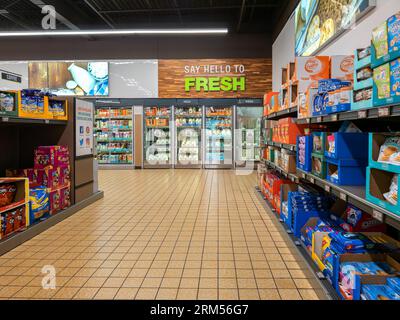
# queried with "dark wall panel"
point(230, 46)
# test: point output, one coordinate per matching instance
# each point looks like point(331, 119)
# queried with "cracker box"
point(380, 40)
point(311, 69)
point(393, 25)
point(342, 67)
point(395, 77)
point(54, 156)
point(382, 80)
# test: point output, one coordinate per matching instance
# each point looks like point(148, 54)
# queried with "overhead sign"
point(208, 78)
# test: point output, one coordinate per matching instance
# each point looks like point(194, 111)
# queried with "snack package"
point(393, 25)
point(331, 143)
point(7, 194)
point(382, 80)
point(389, 151)
point(395, 77)
point(379, 292)
point(54, 156)
point(363, 53)
point(7, 102)
point(39, 203)
point(49, 177)
point(392, 195)
point(380, 40)
point(364, 73)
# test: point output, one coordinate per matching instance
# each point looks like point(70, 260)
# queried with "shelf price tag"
point(377, 215)
point(362, 114)
point(46, 121)
point(311, 179)
point(384, 112)
point(5, 119)
point(327, 188)
point(303, 175)
point(308, 120)
point(334, 117)
point(319, 119)
point(343, 196)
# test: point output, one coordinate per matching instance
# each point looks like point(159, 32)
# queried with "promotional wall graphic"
point(317, 22)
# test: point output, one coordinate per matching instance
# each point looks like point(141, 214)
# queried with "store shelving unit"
point(289, 112)
point(158, 137)
point(219, 124)
point(188, 135)
point(114, 137)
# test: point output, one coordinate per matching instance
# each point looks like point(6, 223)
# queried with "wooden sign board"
point(213, 78)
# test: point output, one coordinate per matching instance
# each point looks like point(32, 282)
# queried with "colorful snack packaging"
point(393, 25)
point(395, 77)
point(380, 40)
point(54, 156)
point(392, 195)
point(7, 194)
point(389, 151)
point(39, 203)
point(49, 177)
point(382, 80)
point(379, 292)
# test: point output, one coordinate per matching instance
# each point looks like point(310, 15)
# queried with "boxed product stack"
point(363, 80)
point(334, 95)
point(368, 277)
point(53, 169)
point(301, 206)
point(324, 84)
point(49, 181)
point(286, 131)
point(346, 154)
point(383, 171)
point(385, 61)
point(14, 203)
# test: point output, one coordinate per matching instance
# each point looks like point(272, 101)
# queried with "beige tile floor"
point(164, 234)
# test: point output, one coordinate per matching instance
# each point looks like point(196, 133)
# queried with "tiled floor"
point(164, 234)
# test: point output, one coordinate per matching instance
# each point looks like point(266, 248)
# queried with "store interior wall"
point(358, 37)
point(138, 47)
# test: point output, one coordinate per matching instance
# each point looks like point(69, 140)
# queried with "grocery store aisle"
point(165, 234)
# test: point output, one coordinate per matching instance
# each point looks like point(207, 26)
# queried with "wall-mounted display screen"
point(70, 78)
point(317, 22)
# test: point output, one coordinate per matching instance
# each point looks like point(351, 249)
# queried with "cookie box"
point(51, 156)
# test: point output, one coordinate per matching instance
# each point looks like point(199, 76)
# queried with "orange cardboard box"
point(342, 67)
point(308, 70)
point(271, 102)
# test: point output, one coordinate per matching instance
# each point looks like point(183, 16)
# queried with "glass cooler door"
point(157, 137)
point(248, 132)
point(218, 137)
point(114, 136)
point(188, 123)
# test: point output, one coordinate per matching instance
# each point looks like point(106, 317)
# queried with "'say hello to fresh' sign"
point(208, 78)
point(215, 78)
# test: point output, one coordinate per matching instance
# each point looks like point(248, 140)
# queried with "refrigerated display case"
point(218, 137)
point(114, 136)
point(188, 124)
point(157, 135)
point(247, 137)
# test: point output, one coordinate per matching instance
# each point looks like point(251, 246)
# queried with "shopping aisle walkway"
point(165, 234)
